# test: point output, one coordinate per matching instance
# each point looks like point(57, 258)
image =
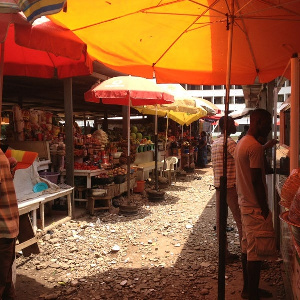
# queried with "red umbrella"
point(22, 61)
point(129, 91)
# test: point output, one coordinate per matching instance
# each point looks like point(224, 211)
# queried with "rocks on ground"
point(167, 251)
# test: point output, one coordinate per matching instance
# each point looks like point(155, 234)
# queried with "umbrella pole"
point(223, 179)
point(155, 151)
point(128, 151)
point(164, 165)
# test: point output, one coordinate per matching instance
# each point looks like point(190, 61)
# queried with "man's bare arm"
point(259, 190)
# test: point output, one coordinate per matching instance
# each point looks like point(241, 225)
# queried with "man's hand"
point(270, 144)
point(265, 212)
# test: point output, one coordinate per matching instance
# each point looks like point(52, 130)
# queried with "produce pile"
point(85, 166)
point(138, 137)
point(124, 146)
point(101, 137)
point(108, 176)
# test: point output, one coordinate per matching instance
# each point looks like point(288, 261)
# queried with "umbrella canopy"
point(184, 110)
point(34, 9)
point(23, 61)
point(182, 118)
point(185, 102)
point(186, 41)
point(129, 91)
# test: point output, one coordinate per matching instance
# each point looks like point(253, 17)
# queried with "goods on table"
point(84, 166)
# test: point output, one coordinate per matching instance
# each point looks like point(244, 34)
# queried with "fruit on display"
point(133, 136)
point(123, 145)
point(119, 171)
point(134, 129)
point(139, 135)
point(106, 174)
point(83, 166)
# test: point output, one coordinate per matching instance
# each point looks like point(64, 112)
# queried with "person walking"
point(217, 164)
point(258, 241)
point(202, 150)
point(9, 228)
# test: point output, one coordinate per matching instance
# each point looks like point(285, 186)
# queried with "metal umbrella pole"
point(223, 180)
point(128, 150)
point(156, 150)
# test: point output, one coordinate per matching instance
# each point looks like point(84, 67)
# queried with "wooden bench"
point(96, 203)
point(145, 163)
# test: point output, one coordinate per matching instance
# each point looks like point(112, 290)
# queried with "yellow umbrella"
point(182, 97)
point(177, 111)
point(184, 118)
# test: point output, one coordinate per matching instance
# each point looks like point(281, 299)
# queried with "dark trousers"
point(7, 257)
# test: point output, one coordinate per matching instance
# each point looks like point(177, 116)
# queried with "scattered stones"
point(168, 250)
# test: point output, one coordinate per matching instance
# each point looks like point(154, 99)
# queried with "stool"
point(80, 195)
point(98, 203)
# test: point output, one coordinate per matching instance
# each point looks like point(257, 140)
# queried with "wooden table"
point(84, 173)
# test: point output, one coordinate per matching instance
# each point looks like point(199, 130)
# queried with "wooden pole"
point(294, 123)
point(69, 159)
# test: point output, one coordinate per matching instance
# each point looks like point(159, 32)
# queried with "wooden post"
point(294, 139)
point(69, 159)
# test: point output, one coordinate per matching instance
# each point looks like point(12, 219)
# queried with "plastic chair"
point(169, 168)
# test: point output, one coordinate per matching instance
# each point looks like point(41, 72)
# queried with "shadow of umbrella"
point(128, 91)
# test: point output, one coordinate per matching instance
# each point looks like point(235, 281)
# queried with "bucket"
point(51, 176)
point(140, 186)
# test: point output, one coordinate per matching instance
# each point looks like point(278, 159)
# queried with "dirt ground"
point(167, 251)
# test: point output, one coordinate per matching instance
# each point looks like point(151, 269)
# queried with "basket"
point(289, 189)
point(118, 179)
point(51, 176)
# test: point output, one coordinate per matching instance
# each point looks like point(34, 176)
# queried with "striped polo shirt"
point(217, 161)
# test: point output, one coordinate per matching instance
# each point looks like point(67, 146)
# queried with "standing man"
point(9, 228)
point(217, 163)
point(258, 242)
point(244, 132)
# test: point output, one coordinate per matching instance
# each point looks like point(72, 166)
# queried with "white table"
point(84, 173)
point(32, 205)
point(27, 233)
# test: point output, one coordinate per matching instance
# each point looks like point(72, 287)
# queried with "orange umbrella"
point(186, 41)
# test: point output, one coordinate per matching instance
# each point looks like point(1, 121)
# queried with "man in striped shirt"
point(217, 163)
point(9, 228)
